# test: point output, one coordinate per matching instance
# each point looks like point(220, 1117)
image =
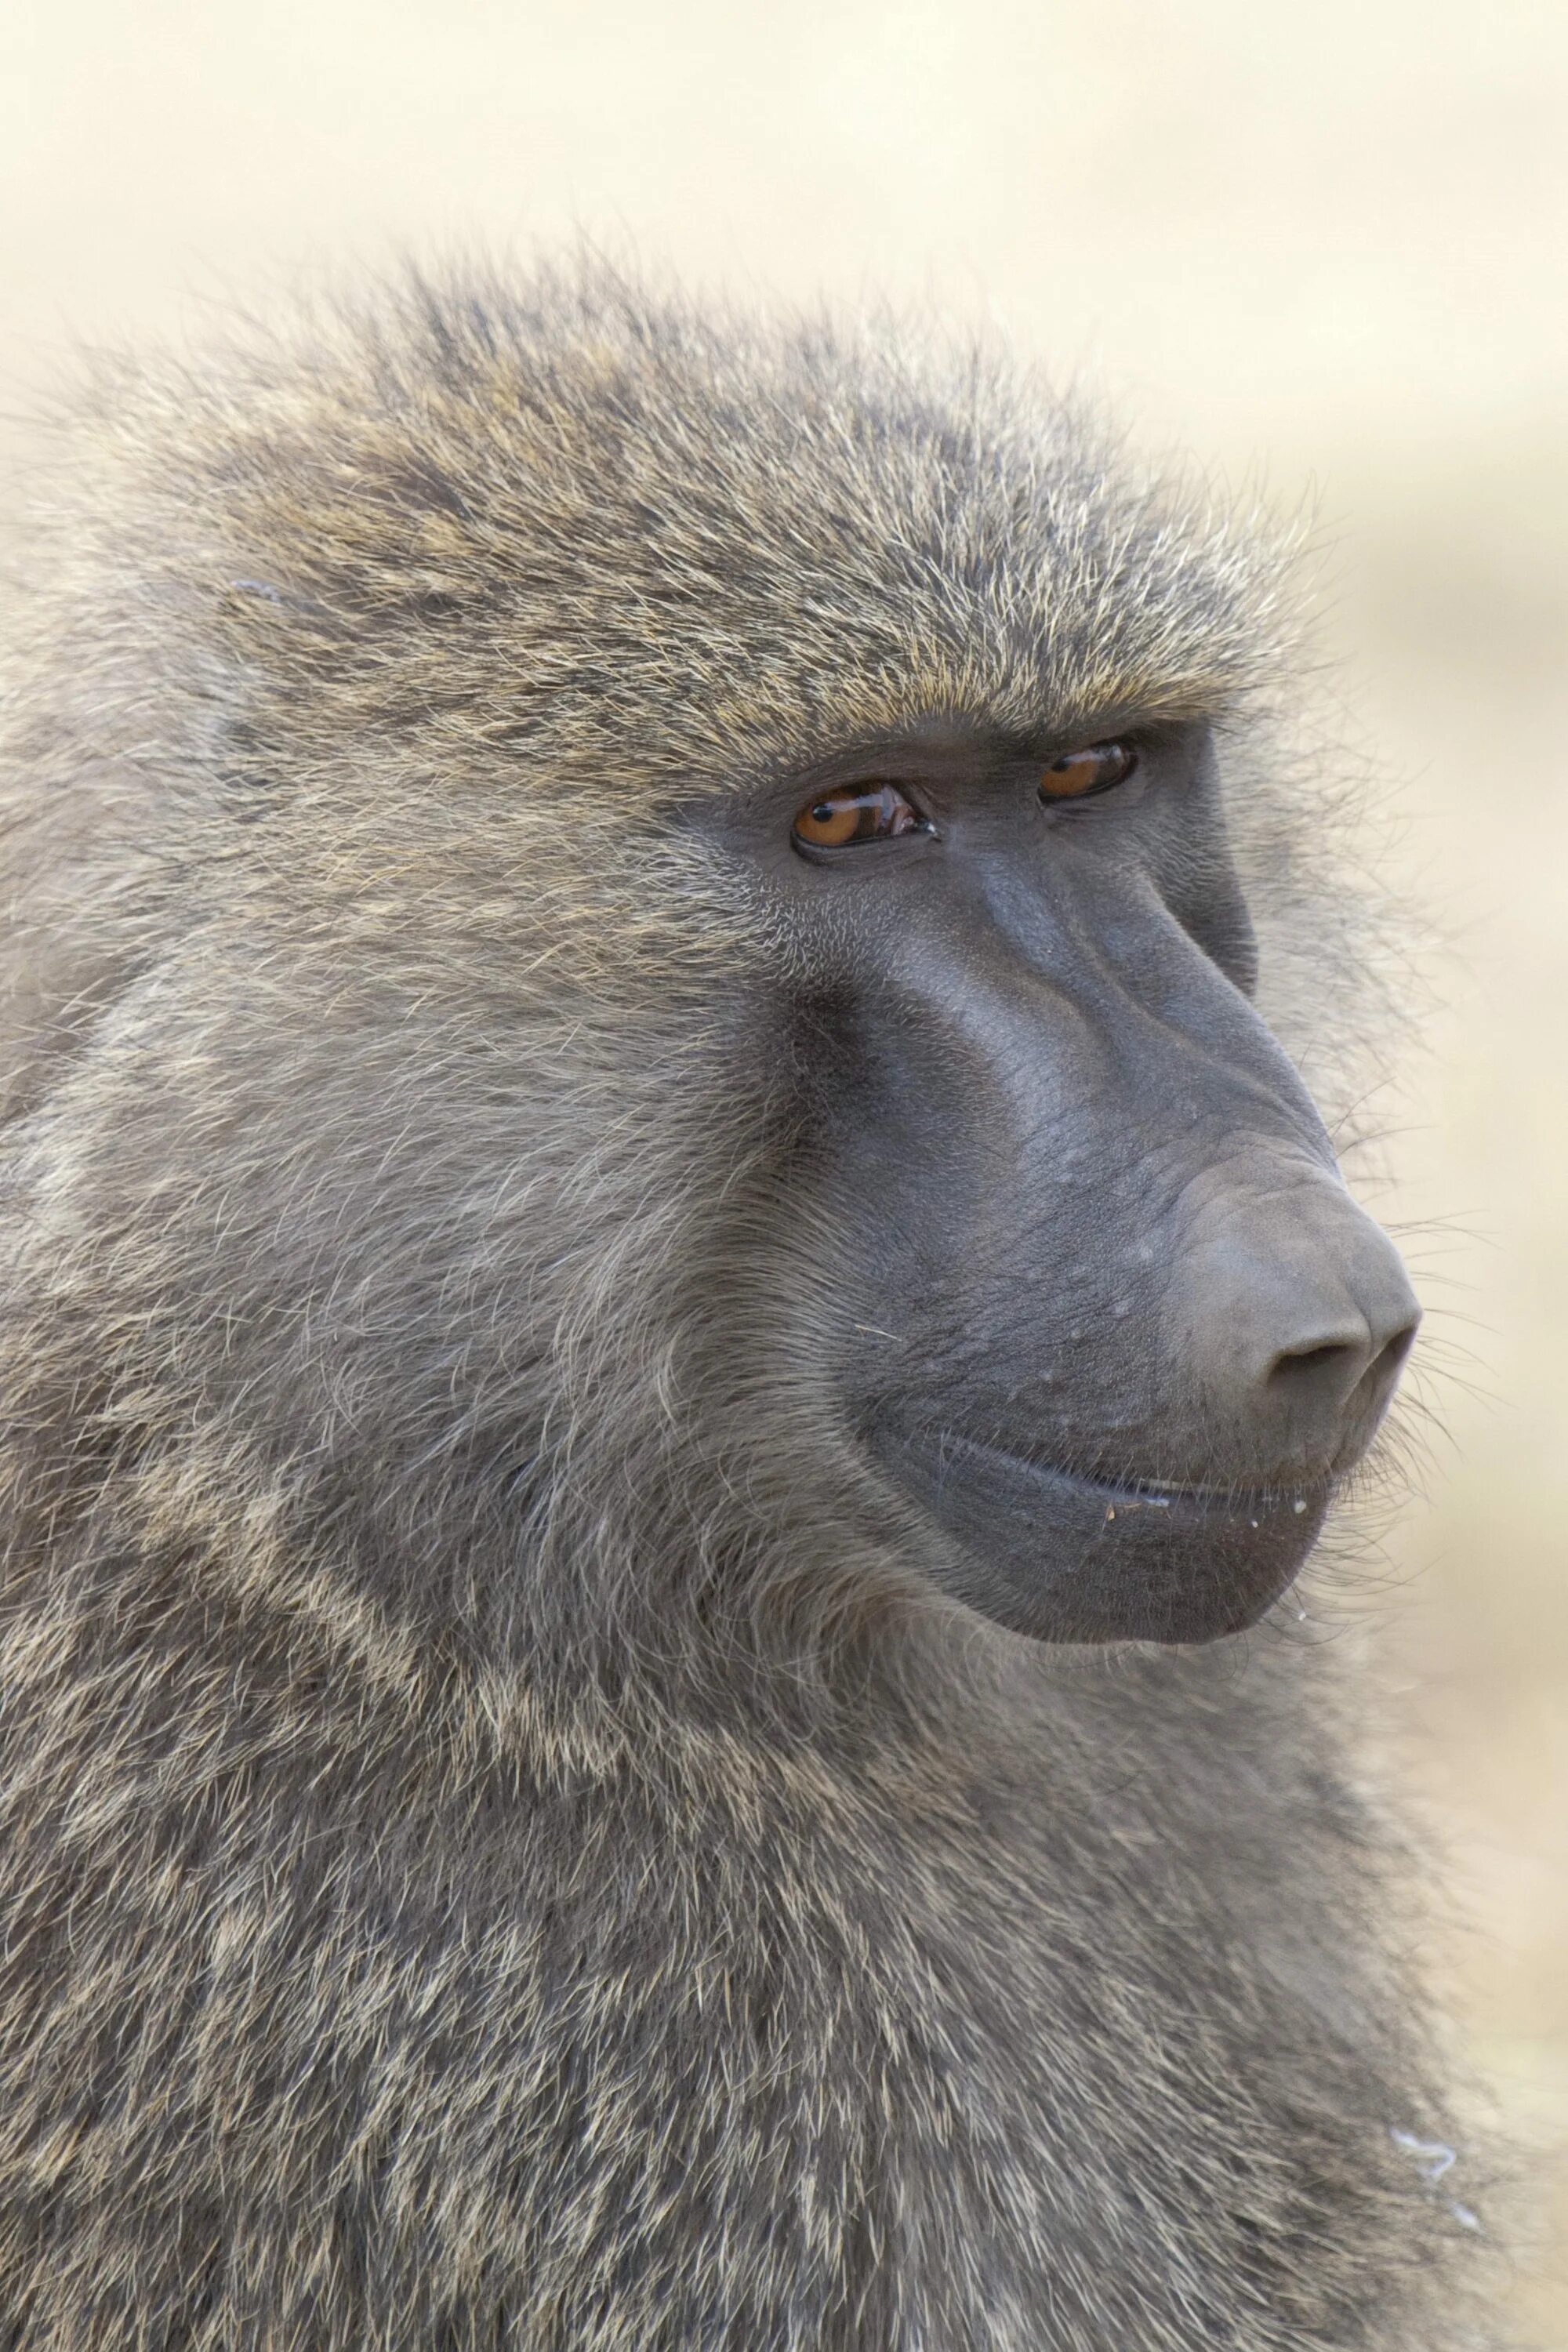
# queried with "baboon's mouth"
point(1066, 1558)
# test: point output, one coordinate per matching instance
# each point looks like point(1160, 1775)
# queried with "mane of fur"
point(502, 1844)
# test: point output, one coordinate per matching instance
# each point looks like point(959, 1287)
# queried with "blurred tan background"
point(1325, 243)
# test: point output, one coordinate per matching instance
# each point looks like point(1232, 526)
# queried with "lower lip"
point(1068, 1560)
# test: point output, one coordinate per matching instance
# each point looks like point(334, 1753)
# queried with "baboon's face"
point(1109, 1317)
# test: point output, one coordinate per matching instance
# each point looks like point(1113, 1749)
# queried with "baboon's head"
point(716, 992)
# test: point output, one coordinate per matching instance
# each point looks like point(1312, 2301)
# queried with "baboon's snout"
point(1295, 1315)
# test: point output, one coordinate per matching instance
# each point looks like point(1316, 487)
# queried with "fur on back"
point(503, 1845)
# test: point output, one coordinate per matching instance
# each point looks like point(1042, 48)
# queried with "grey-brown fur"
point(503, 1844)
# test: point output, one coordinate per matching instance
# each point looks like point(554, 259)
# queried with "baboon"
point(671, 1293)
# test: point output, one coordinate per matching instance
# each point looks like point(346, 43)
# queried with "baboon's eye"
point(850, 813)
point(1096, 769)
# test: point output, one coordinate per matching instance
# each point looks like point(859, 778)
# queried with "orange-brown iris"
point(1093, 770)
point(867, 811)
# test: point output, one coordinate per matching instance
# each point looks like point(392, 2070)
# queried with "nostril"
point(1321, 1362)
point(1308, 1360)
point(1339, 1375)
